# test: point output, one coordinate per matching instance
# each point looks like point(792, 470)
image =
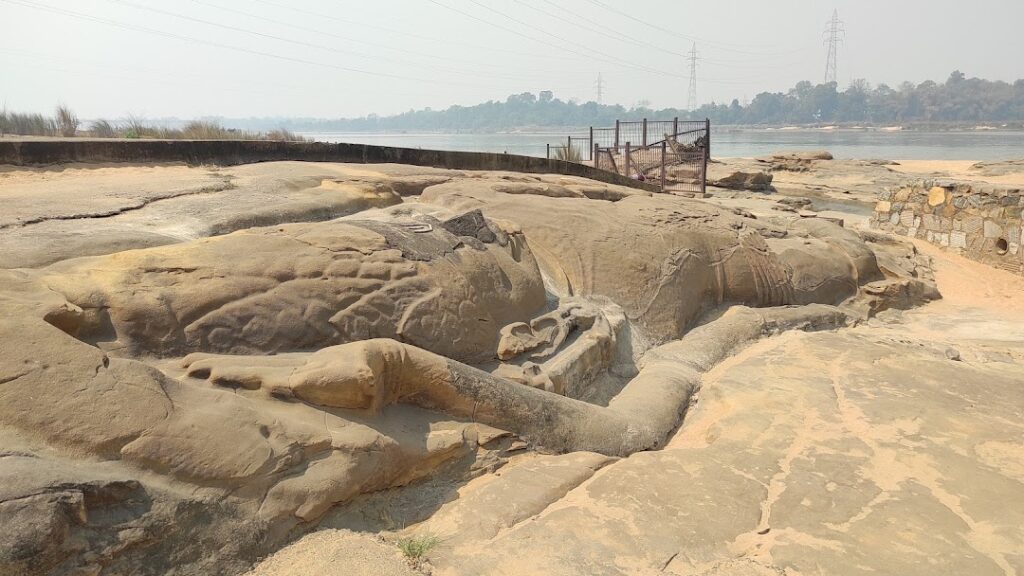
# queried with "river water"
point(736, 142)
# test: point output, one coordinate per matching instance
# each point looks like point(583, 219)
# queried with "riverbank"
point(729, 142)
point(380, 368)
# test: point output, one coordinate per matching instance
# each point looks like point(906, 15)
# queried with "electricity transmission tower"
point(600, 88)
point(691, 101)
point(835, 33)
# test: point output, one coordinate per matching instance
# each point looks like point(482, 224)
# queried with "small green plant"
point(133, 127)
point(568, 154)
point(415, 548)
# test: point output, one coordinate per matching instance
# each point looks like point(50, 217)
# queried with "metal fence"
point(575, 149)
point(675, 153)
point(642, 132)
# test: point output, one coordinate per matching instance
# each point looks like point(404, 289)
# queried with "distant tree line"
point(957, 100)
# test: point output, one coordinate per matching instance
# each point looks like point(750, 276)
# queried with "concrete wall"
point(230, 152)
point(981, 222)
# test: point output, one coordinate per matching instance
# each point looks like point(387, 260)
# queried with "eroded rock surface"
point(304, 286)
point(195, 371)
point(668, 260)
point(807, 454)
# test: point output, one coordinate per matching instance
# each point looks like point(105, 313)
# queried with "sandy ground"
point(337, 552)
point(966, 283)
point(957, 169)
point(858, 182)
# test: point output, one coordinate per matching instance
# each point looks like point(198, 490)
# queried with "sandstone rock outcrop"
point(669, 260)
point(758, 181)
point(304, 286)
point(372, 374)
point(240, 379)
point(795, 161)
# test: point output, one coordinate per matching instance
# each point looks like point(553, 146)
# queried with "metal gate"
point(672, 153)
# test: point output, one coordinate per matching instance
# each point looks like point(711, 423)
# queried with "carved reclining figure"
point(446, 286)
point(668, 260)
point(372, 374)
point(342, 319)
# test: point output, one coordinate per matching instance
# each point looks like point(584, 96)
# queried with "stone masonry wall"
point(979, 221)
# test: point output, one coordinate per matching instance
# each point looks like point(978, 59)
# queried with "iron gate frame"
point(686, 143)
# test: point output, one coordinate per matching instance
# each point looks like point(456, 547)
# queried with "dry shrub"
point(568, 154)
point(26, 124)
point(67, 121)
point(103, 129)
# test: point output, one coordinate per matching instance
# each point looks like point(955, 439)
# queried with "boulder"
point(756, 181)
point(802, 155)
point(795, 161)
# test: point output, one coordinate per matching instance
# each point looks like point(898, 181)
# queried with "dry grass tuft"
point(26, 124)
point(568, 154)
point(284, 135)
point(66, 123)
point(102, 129)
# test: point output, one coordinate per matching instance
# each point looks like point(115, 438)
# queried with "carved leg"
point(371, 374)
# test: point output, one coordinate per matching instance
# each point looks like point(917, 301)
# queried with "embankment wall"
point(231, 152)
point(979, 221)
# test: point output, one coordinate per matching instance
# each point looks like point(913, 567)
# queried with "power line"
point(613, 59)
point(691, 100)
point(290, 40)
point(592, 55)
point(407, 33)
point(721, 45)
point(376, 45)
point(602, 30)
point(138, 28)
point(835, 33)
point(157, 76)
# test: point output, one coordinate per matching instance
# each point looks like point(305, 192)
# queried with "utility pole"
point(691, 101)
point(835, 33)
point(600, 88)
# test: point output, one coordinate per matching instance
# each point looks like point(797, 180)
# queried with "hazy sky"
point(333, 58)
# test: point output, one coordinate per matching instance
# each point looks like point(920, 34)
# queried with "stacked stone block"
point(979, 221)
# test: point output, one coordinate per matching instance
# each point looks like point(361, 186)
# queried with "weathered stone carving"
point(270, 373)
